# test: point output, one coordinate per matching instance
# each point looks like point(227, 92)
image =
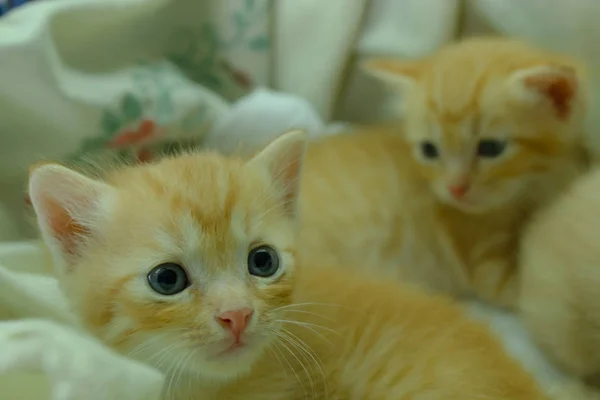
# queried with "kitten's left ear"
point(554, 85)
point(283, 158)
point(69, 207)
point(399, 74)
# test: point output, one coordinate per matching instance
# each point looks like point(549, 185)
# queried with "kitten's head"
point(485, 116)
point(189, 260)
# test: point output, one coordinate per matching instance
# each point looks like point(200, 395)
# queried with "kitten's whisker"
point(150, 341)
point(161, 351)
point(310, 313)
point(295, 345)
point(176, 375)
point(170, 370)
point(309, 326)
point(279, 342)
point(184, 369)
point(301, 345)
point(278, 361)
point(308, 304)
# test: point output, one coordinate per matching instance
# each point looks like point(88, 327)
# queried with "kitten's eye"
point(490, 148)
point(263, 261)
point(429, 150)
point(168, 279)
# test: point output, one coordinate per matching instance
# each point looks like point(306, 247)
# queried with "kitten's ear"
point(68, 207)
point(554, 86)
point(399, 74)
point(283, 158)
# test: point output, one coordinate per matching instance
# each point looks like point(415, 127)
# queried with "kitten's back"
point(351, 187)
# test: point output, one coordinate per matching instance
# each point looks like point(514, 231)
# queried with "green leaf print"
point(212, 81)
point(131, 108)
point(259, 43)
point(110, 123)
point(211, 41)
point(239, 19)
point(250, 4)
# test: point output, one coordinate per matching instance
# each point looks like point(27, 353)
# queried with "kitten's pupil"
point(429, 150)
point(263, 261)
point(168, 279)
point(490, 148)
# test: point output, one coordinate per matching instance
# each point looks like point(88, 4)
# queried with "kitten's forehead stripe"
point(454, 98)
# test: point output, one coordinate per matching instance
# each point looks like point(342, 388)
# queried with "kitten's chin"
point(474, 208)
point(479, 206)
point(229, 362)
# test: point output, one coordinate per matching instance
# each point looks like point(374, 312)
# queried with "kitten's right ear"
point(283, 158)
point(399, 74)
point(68, 206)
point(559, 85)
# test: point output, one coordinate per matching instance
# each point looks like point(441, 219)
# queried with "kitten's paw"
point(77, 366)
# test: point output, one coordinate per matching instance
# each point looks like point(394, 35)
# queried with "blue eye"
point(168, 279)
point(429, 150)
point(491, 148)
point(263, 261)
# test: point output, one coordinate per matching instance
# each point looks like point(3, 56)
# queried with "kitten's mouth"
point(234, 348)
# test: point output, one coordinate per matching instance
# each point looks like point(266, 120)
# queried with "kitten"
point(491, 131)
point(191, 265)
point(560, 264)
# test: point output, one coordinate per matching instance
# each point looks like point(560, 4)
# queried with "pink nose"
point(459, 190)
point(235, 321)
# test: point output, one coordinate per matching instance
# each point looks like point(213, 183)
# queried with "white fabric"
point(256, 119)
point(314, 40)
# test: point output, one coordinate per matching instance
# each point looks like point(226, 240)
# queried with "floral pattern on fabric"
point(144, 121)
point(204, 53)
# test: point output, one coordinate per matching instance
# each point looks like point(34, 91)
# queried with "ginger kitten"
point(191, 265)
point(491, 130)
point(560, 262)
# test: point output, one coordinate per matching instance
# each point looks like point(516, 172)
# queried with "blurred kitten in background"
point(491, 130)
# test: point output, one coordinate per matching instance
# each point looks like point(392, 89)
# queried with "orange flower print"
point(143, 156)
point(145, 131)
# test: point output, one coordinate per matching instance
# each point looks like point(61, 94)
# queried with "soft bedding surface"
point(141, 76)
